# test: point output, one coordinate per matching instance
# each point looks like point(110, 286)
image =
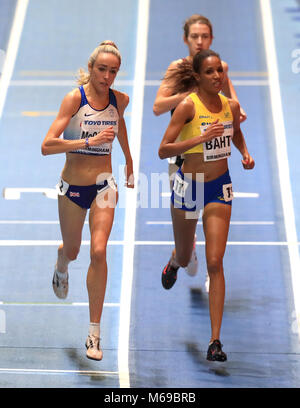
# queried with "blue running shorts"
point(84, 195)
point(194, 195)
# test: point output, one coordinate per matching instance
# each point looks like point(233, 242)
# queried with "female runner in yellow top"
point(202, 128)
point(89, 117)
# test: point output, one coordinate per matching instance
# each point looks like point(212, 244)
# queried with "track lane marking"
point(281, 153)
point(131, 195)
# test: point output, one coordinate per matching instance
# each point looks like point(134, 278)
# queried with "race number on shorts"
point(180, 186)
point(227, 192)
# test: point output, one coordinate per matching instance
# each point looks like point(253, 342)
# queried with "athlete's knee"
point(214, 264)
point(98, 254)
point(72, 252)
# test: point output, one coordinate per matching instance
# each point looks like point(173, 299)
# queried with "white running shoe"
point(192, 267)
point(60, 286)
point(207, 283)
point(92, 345)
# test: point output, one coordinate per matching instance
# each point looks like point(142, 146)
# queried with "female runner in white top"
point(90, 117)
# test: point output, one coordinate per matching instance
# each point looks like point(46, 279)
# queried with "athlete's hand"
point(243, 115)
point(129, 177)
point(105, 136)
point(215, 129)
point(248, 162)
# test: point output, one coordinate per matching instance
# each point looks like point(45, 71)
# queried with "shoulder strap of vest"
point(83, 96)
point(225, 103)
point(197, 102)
point(224, 100)
point(112, 98)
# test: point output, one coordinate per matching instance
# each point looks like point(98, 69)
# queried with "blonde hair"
point(107, 47)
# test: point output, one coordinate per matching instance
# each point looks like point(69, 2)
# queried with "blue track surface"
point(41, 344)
point(258, 282)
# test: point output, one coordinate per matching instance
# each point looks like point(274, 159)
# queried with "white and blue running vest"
point(87, 122)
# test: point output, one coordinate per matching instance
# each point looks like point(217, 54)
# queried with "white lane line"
point(248, 74)
point(21, 222)
point(61, 73)
point(46, 371)
point(61, 82)
point(14, 243)
point(39, 222)
point(250, 82)
point(41, 304)
point(237, 82)
point(31, 222)
point(235, 243)
point(281, 152)
point(53, 73)
point(259, 223)
point(131, 195)
point(12, 50)
point(14, 193)
point(235, 194)
point(245, 195)
point(122, 82)
point(50, 242)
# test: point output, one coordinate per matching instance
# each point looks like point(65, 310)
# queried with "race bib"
point(172, 160)
point(102, 149)
point(227, 192)
point(62, 187)
point(112, 183)
point(179, 186)
point(219, 147)
point(89, 129)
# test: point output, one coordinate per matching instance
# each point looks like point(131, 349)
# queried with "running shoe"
point(92, 345)
point(215, 353)
point(207, 283)
point(60, 286)
point(192, 267)
point(169, 276)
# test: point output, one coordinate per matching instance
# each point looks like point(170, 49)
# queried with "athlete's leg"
point(216, 220)
point(184, 233)
point(184, 227)
point(192, 265)
point(101, 220)
point(71, 223)
point(71, 218)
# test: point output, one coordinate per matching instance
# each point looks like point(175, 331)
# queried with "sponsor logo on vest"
point(100, 122)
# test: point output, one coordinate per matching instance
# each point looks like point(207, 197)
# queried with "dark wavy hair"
point(183, 76)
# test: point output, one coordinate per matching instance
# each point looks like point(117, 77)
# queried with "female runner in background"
point(198, 35)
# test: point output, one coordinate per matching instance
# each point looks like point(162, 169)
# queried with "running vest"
point(87, 122)
point(218, 148)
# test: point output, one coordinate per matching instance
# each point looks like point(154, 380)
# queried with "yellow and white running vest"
point(219, 147)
